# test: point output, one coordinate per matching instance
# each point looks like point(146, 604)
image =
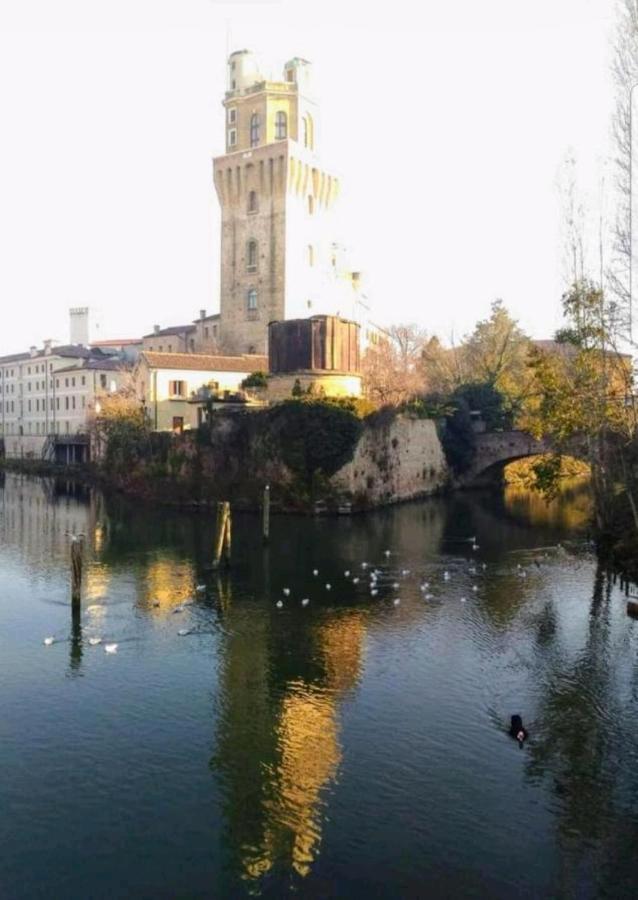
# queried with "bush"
point(255, 380)
point(458, 438)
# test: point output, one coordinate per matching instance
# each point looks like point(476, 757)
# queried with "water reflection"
point(335, 724)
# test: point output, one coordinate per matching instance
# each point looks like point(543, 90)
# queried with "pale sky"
point(447, 121)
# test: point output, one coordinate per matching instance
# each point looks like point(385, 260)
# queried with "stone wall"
point(394, 460)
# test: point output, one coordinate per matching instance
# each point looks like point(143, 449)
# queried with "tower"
point(277, 232)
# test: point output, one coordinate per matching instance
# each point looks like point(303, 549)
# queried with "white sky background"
point(447, 121)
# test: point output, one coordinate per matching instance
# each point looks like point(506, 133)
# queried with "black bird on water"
point(517, 730)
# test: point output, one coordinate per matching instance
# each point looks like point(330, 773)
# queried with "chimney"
point(79, 319)
point(202, 314)
point(156, 329)
point(33, 351)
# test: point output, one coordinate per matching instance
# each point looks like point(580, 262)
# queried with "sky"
point(446, 120)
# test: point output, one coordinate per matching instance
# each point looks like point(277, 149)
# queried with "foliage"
point(531, 472)
point(391, 369)
point(316, 436)
point(255, 380)
point(458, 438)
point(493, 406)
point(120, 430)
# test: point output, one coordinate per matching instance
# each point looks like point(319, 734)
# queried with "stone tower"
point(279, 255)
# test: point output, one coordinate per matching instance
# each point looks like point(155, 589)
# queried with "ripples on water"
point(352, 747)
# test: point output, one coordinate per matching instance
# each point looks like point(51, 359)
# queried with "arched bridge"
point(495, 449)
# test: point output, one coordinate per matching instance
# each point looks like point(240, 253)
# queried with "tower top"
point(246, 72)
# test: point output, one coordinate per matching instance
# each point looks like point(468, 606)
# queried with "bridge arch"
point(496, 449)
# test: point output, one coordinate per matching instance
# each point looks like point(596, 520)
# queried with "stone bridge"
point(495, 449)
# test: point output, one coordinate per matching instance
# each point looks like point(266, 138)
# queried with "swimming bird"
point(200, 588)
point(396, 586)
point(110, 648)
point(94, 641)
point(95, 607)
point(474, 588)
point(48, 641)
point(405, 571)
point(484, 566)
point(396, 601)
point(286, 592)
point(446, 576)
point(178, 609)
point(387, 553)
point(425, 585)
point(279, 604)
point(355, 581)
point(183, 632)
point(463, 599)
point(475, 546)
point(328, 587)
point(518, 730)
point(305, 601)
point(347, 573)
point(364, 565)
point(374, 593)
point(429, 597)
point(315, 572)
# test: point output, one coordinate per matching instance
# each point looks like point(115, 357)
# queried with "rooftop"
point(203, 362)
point(174, 329)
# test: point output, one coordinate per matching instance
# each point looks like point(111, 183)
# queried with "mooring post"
point(76, 569)
point(223, 534)
point(266, 514)
point(228, 532)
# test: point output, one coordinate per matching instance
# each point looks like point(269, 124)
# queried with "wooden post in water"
point(228, 533)
point(222, 534)
point(76, 569)
point(266, 514)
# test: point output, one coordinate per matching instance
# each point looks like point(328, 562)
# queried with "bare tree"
point(392, 368)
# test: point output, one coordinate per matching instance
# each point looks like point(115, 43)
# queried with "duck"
point(110, 648)
point(374, 592)
point(48, 641)
point(279, 604)
point(364, 565)
point(200, 588)
point(183, 632)
point(178, 609)
point(518, 730)
point(305, 601)
point(396, 601)
point(446, 576)
point(355, 581)
point(474, 588)
point(328, 587)
point(346, 574)
point(94, 641)
point(387, 553)
point(315, 572)
point(396, 586)
point(286, 592)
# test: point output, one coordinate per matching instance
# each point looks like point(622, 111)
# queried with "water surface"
point(352, 747)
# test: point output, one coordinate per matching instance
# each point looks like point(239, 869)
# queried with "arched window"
point(251, 299)
point(281, 126)
point(311, 204)
point(311, 255)
point(253, 204)
point(308, 132)
point(251, 256)
point(254, 130)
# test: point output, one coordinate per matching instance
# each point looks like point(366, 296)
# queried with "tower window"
point(281, 126)
point(253, 204)
point(311, 204)
point(251, 299)
point(232, 137)
point(251, 256)
point(308, 132)
point(290, 74)
point(254, 130)
point(232, 116)
point(311, 255)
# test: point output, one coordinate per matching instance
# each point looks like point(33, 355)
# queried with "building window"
point(232, 116)
point(252, 299)
point(103, 380)
point(308, 132)
point(281, 126)
point(232, 137)
point(311, 255)
point(178, 424)
point(251, 256)
point(206, 332)
point(254, 130)
point(311, 204)
point(290, 74)
point(83, 380)
point(253, 204)
point(177, 388)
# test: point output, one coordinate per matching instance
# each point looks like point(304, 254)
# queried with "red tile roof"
point(203, 362)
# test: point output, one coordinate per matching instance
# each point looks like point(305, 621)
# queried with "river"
point(350, 747)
